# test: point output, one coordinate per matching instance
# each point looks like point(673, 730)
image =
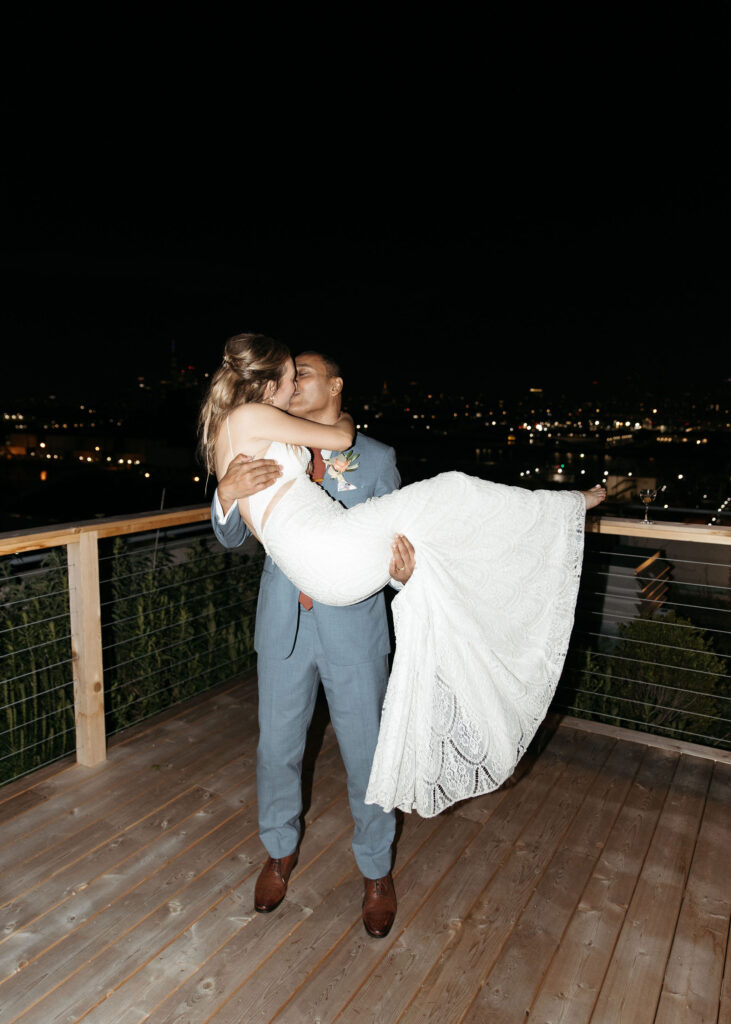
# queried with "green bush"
point(36, 672)
point(175, 622)
point(661, 675)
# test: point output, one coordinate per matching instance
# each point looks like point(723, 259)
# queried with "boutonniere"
point(339, 465)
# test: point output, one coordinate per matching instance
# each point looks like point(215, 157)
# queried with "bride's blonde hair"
point(250, 362)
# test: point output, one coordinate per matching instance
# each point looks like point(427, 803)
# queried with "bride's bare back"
point(251, 428)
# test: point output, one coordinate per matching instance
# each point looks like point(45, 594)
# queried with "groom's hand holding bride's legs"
point(403, 560)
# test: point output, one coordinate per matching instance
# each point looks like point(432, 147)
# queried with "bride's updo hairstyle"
point(250, 362)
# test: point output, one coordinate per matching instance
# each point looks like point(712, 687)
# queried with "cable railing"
point(106, 623)
point(651, 646)
point(121, 619)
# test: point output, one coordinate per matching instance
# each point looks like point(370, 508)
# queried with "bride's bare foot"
point(595, 496)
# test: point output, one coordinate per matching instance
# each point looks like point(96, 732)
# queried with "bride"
point(483, 625)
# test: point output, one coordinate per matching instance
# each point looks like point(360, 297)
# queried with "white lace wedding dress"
point(482, 627)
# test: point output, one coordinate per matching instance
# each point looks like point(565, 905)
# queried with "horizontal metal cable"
point(645, 682)
point(655, 622)
point(660, 664)
point(149, 590)
point(39, 668)
point(666, 604)
point(32, 572)
point(152, 714)
point(159, 650)
point(172, 546)
point(14, 753)
point(648, 704)
point(648, 643)
point(35, 647)
point(633, 721)
point(157, 567)
point(36, 597)
point(167, 565)
point(142, 552)
point(36, 622)
point(39, 693)
point(668, 581)
point(37, 767)
point(173, 625)
point(173, 664)
point(675, 561)
point(178, 682)
point(173, 537)
point(178, 604)
point(168, 586)
point(40, 718)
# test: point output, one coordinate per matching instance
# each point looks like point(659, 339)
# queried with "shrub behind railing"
point(177, 618)
point(651, 653)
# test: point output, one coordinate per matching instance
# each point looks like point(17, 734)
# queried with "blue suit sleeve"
point(233, 532)
point(389, 479)
point(388, 475)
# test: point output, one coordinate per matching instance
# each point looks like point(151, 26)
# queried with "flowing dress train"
point(482, 627)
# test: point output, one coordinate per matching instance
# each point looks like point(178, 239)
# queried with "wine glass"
point(647, 496)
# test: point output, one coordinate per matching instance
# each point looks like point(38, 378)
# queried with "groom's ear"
point(336, 385)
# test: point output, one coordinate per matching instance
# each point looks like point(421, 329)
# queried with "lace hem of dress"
point(460, 749)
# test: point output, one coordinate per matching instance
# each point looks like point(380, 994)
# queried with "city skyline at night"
point(547, 207)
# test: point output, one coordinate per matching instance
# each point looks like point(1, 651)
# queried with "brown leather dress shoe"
point(379, 906)
point(271, 885)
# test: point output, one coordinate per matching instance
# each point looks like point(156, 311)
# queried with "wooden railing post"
point(86, 648)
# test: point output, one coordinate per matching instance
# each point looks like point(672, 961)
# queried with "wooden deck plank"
point(167, 966)
point(70, 894)
point(88, 824)
point(264, 994)
point(516, 976)
point(56, 949)
point(60, 776)
point(121, 961)
point(571, 985)
point(694, 974)
point(337, 908)
point(132, 764)
point(366, 969)
point(724, 1008)
point(519, 897)
point(328, 988)
point(466, 961)
point(17, 806)
point(633, 983)
point(122, 833)
point(207, 813)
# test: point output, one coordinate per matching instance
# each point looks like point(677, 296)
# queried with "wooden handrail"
point(81, 540)
point(692, 532)
point(16, 541)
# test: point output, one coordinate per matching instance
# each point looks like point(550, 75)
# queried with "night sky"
point(464, 204)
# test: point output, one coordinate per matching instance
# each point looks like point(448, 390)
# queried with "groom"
point(300, 643)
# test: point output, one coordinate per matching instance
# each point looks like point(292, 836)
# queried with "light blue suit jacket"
point(350, 635)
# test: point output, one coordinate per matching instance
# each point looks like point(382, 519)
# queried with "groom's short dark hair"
point(331, 365)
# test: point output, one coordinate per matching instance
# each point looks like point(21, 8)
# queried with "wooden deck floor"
point(593, 888)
